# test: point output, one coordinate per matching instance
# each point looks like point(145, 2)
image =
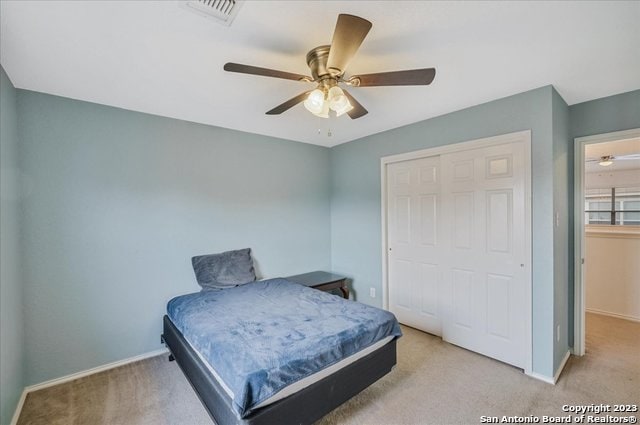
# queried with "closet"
point(458, 245)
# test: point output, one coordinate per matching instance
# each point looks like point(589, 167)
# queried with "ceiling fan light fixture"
point(324, 113)
point(344, 109)
point(337, 100)
point(315, 102)
point(328, 64)
point(605, 161)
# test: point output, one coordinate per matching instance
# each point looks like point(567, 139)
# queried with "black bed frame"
point(303, 407)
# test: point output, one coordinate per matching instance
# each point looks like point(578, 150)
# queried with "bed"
point(275, 352)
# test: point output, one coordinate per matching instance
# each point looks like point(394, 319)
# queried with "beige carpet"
point(433, 383)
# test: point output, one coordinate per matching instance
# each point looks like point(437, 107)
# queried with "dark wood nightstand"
point(323, 281)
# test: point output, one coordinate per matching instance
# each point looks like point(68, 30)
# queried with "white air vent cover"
point(223, 11)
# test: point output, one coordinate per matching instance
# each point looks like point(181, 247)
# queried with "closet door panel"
point(413, 214)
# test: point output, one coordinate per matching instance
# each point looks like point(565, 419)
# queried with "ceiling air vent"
point(223, 11)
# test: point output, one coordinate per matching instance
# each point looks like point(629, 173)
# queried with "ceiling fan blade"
point(289, 104)
point(347, 37)
point(265, 72)
point(410, 77)
point(627, 157)
point(358, 110)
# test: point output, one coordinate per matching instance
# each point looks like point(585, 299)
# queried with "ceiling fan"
point(328, 65)
point(607, 160)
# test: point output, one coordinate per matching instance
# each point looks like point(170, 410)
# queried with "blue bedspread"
point(263, 336)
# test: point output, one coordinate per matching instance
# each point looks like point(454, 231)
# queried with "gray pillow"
point(224, 270)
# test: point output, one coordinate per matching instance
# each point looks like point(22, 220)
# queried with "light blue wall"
point(604, 115)
point(563, 239)
point(355, 201)
point(11, 301)
point(116, 204)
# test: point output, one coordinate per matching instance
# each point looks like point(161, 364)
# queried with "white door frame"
point(520, 136)
point(578, 229)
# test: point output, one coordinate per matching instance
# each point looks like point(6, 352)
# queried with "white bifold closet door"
point(415, 251)
point(456, 240)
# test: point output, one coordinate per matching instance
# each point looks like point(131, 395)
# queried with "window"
point(615, 206)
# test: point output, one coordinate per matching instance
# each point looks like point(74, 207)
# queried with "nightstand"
point(324, 281)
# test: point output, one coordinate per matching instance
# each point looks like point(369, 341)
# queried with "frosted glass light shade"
point(324, 113)
point(344, 109)
point(337, 99)
point(315, 101)
point(338, 102)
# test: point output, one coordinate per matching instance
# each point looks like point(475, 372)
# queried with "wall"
point(599, 116)
point(117, 202)
point(11, 301)
point(609, 179)
point(355, 200)
point(563, 234)
point(612, 272)
point(605, 115)
point(612, 277)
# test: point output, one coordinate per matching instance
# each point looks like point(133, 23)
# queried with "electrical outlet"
point(372, 292)
point(558, 333)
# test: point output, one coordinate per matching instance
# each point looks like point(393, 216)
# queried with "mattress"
point(264, 337)
point(304, 382)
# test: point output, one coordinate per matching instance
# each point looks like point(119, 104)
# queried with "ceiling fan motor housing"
point(317, 62)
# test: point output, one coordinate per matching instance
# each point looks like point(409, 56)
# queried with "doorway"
point(607, 230)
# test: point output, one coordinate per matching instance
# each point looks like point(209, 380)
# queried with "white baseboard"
point(81, 374)
point(548, 379)
point(16, 414)
point(562, 365)
point(542, 378)
point(610, 314)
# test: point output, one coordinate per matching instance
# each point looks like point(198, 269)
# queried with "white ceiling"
point(159, 58)
point(616, 149)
